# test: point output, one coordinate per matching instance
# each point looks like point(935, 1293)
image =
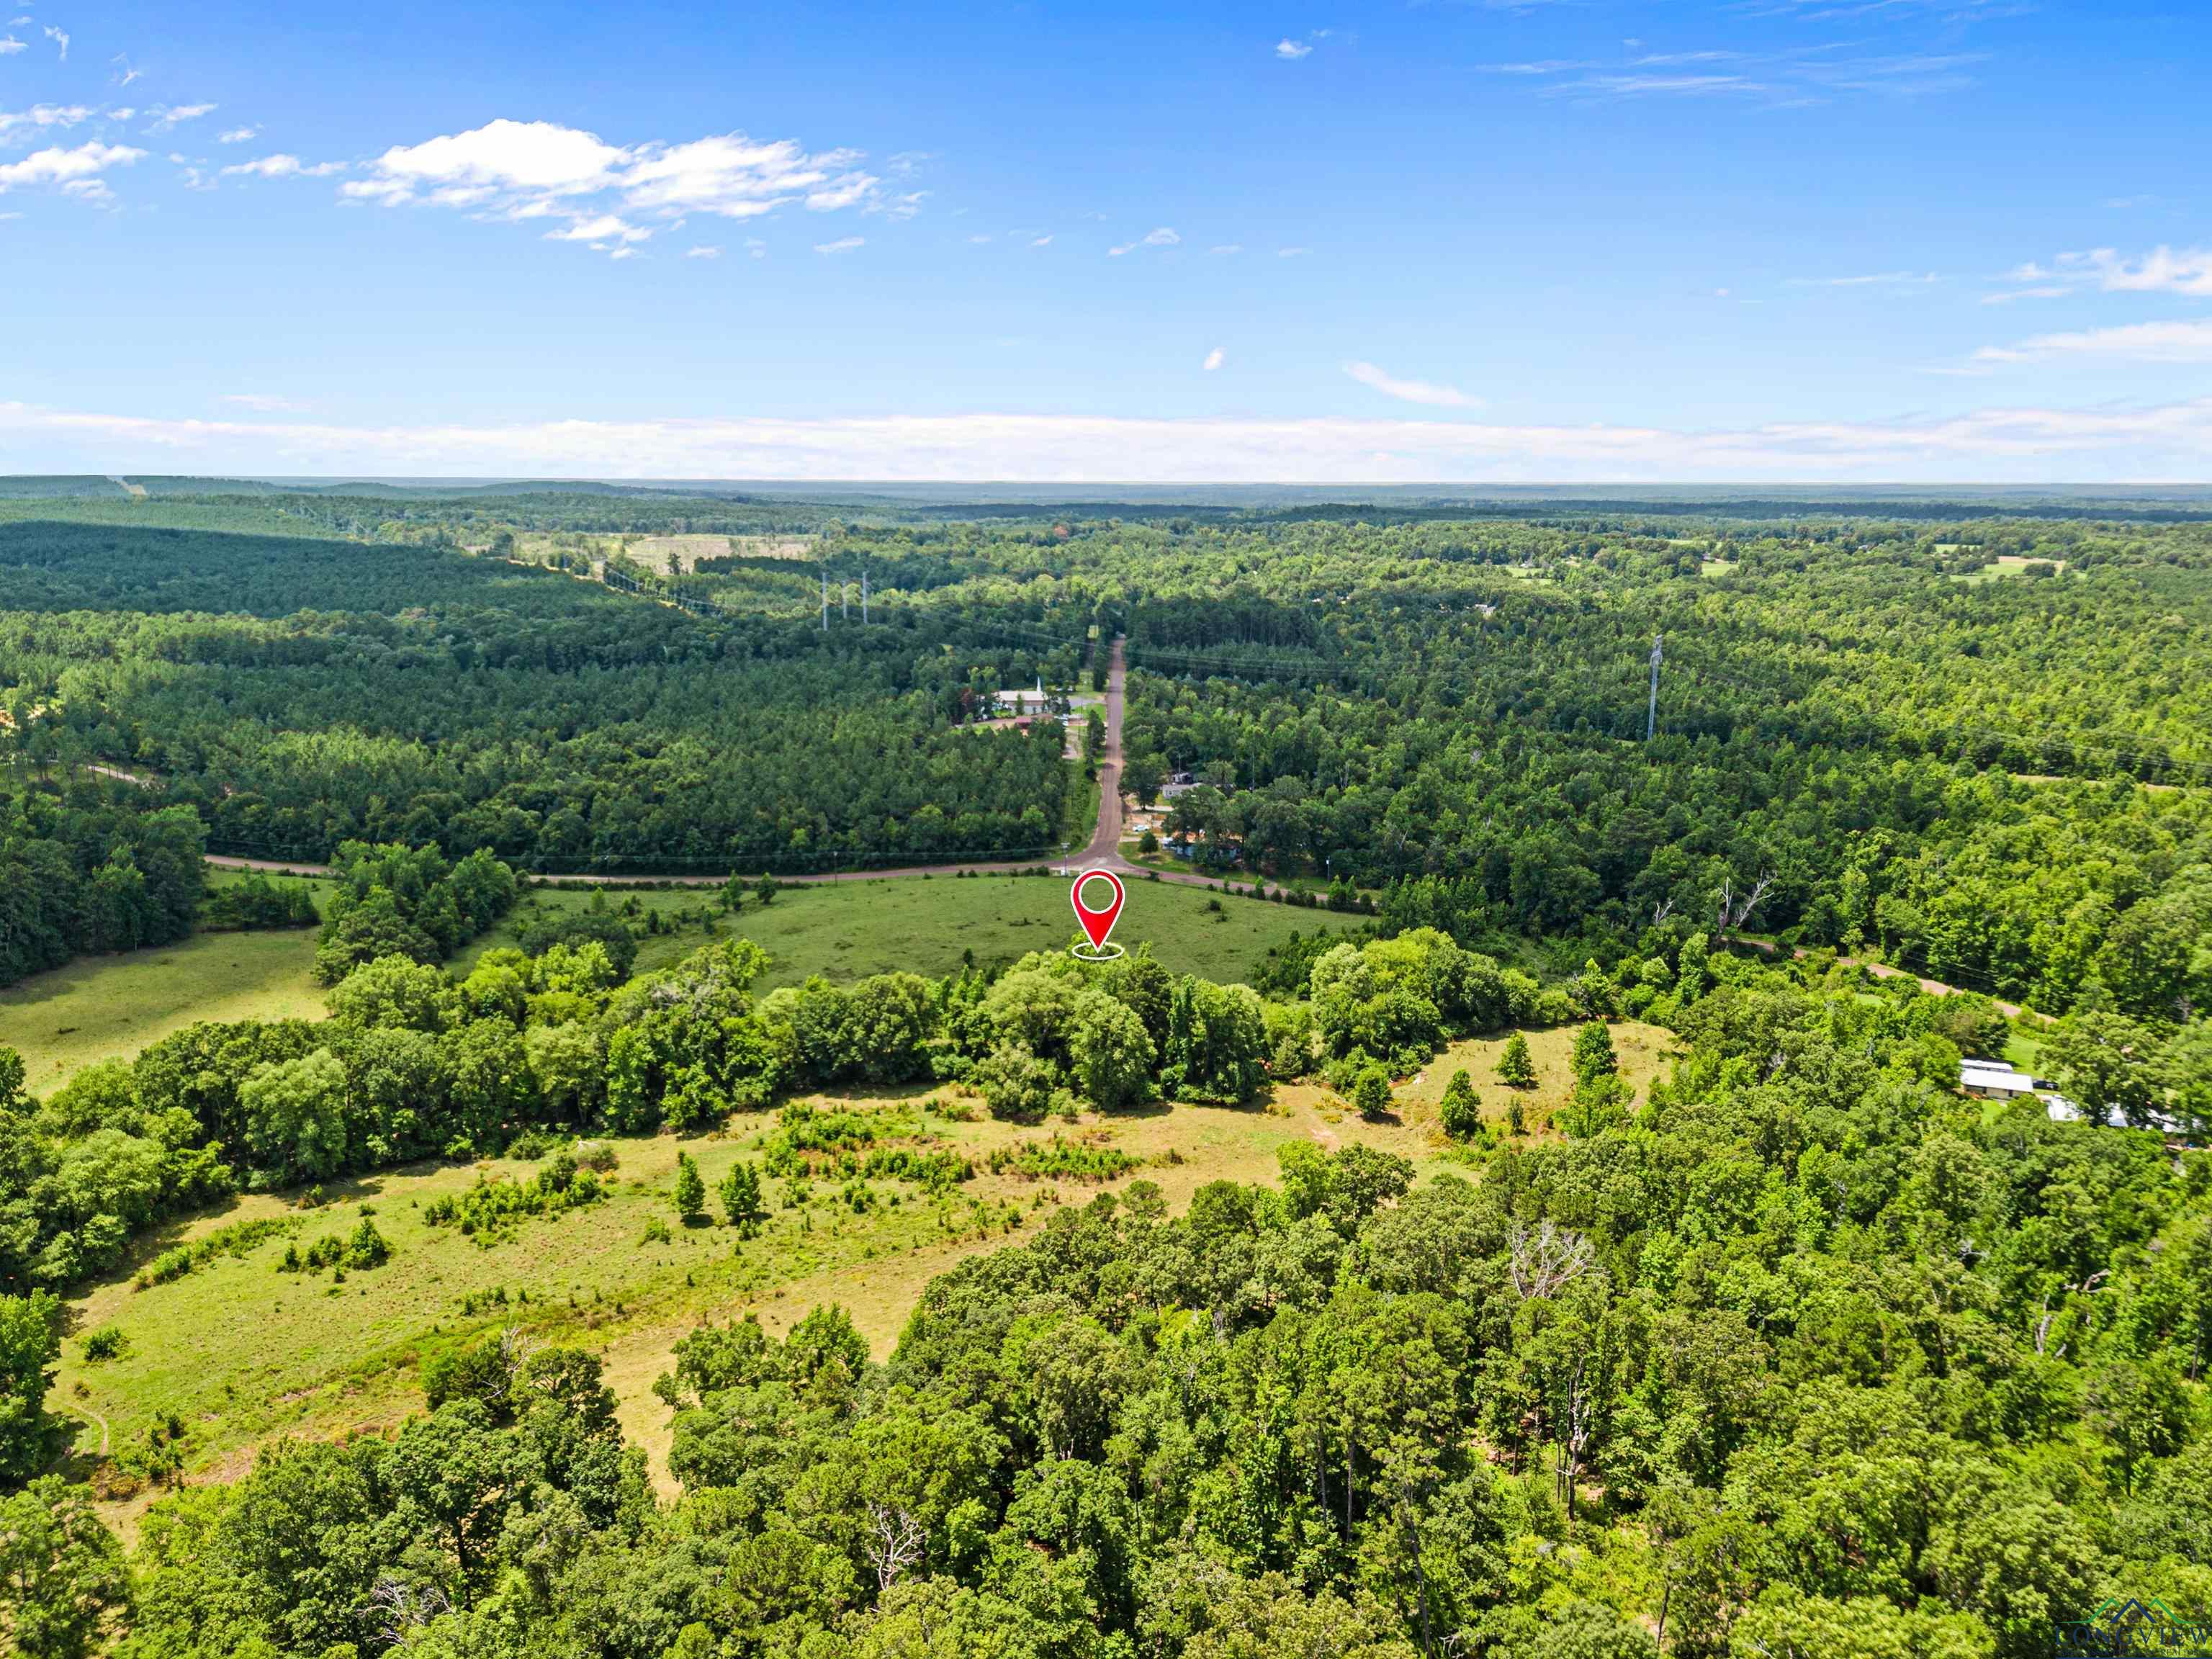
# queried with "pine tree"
point(690, 1191)
point(1594, 1057)
point(1461, 1111)
point(741, 1198)
point(1516, 1068)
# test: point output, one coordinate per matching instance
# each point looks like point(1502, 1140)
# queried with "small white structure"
point(1995, 1079)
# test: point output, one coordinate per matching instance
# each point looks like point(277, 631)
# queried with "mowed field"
point(849, 929)
point(110, 1007)
point(242, 1354)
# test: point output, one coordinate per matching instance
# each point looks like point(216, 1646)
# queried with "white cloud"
point(167, 116)
point(842, 245)
point(535, 156)
point(1292, 253)
point(2027, 444)
point(388, 192)
point(75, 170)
point(1226, 247)
point(737, 178)
point(59, 39)
point(1214, 359)
point(2163, 270)
point(1291, 51)
point(517, 171)
point(240, 135)
point(703, 251)
point(2142, 343)
point(1163, 237)
point(978, 240)
point(128, 74)
point(602, 227)
point(42, 116)
point(1041, 241)
point(1410, 391)
point(281, 165)
point(9, 45)
point(757, 247)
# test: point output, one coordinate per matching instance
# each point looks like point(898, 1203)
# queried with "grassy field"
point(849, 929)
point(243, 1354)
point(110, 1007)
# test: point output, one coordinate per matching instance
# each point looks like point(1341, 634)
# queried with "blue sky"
point(1818, 239)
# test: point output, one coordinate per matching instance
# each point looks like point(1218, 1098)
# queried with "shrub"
point(105, 1344)
point(235, 1240)
point(1371, 1093)
point(691, 1192)
point(1461, 1111)
point(1517, 1068)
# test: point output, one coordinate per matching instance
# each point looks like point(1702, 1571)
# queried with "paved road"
point(1104, 852)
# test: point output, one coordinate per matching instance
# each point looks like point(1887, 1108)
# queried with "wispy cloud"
point(842, 245)
point(9, 45)
point(1292, 253)
point(2162, 271)
point(1163, 237)
point(1291, 51)
point(704, 251)
point(40, 117)
point(1410, 391)
point(264, 402)
point(1879, 279)
point(2030, 444)
point(1796, 75)
point(1226, 247)
point(59, 39)
point(281, 165)
point(2142, 343)
point(239, 136)
point(124, 74)
point(167, 116)
point(1214, 359)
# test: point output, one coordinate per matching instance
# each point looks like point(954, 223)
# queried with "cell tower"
point(1651, 714)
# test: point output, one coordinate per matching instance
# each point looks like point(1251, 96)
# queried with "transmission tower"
point(844, 600)
point(864, 598)
point(1651, 714)
point(825, 602)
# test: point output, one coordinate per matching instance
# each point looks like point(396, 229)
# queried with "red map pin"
point(1097, 925)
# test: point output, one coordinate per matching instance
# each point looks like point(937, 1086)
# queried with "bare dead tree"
point(1735, 911)
point(1543, 1263)
point(402, 1607)
point(895, 1544)
point(1661, 910)
point(2047, 1313)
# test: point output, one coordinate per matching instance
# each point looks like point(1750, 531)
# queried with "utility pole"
point(825, 602)
point(1652, 715)
point(844, 601)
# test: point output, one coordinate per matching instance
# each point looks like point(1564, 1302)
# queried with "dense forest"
point(1799, 1355)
